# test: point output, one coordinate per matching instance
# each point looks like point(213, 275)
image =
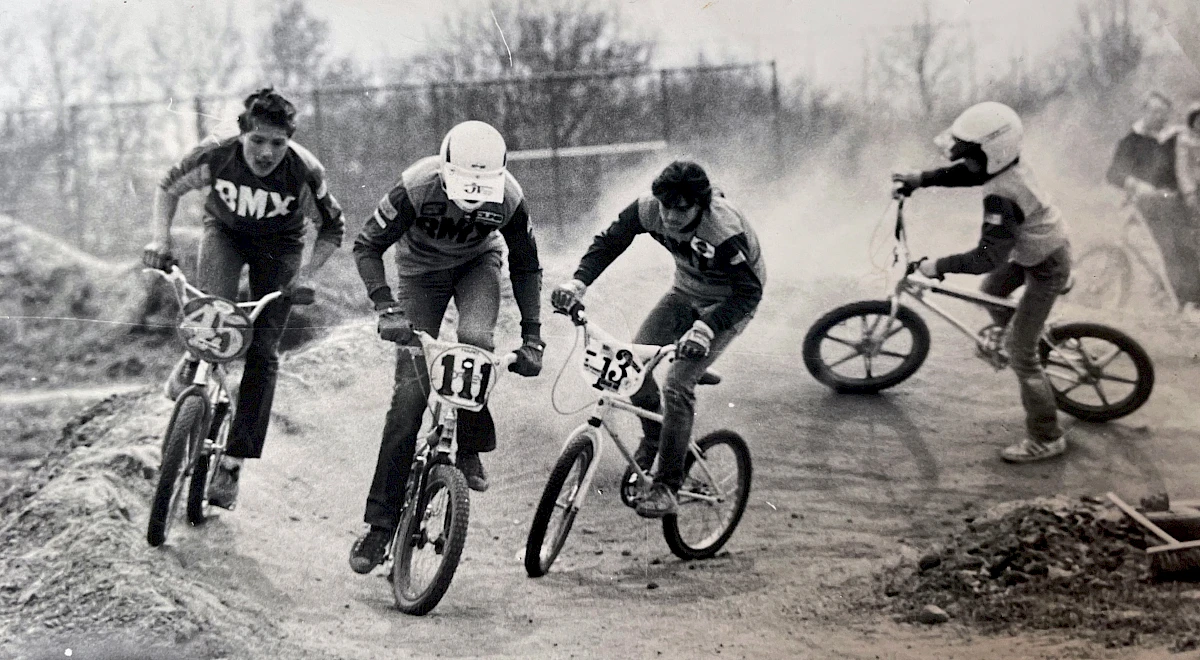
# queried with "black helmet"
point(682, 181)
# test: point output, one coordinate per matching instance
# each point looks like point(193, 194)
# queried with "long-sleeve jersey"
point(431, 233)
point(258, 206)
point(1018, 223)
point(1149, 158)
point(718, 263)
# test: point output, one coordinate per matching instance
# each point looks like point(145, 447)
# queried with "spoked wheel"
point(557, 509)
point(859, 349)
point(430, 541)
point(713, 497)
point(1103, 278)
point(1098, 373)
point(183, 438)
point(198, 507)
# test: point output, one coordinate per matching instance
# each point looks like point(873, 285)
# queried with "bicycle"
point(215, 332)
point(1082, 359)
point(1106, 271)
point(428, 543)
point(717, 467)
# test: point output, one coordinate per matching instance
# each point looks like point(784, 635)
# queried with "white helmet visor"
point(466, 184)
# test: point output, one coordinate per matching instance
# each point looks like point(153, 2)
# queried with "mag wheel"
point(206, 464)
point(1103, 277)
point(859, 349)
point(430, 541)
point(1097, 373)
point(557, 509)
point(184, 434)
point(716, 487)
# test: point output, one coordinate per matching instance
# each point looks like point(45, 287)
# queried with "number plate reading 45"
point(462, 376)
point(612, 369)
point(215, 329)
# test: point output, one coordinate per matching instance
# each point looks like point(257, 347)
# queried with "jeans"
point(274, 263)
point(1176, 230)
point(475, 288)
point(1043, 284)
point(667, 322)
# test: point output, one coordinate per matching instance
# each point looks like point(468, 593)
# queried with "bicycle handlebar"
point(299, 296)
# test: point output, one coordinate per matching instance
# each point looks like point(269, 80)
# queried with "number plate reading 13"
point(612, 369)
point(462, 376)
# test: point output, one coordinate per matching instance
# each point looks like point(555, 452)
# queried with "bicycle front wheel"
point(859, 349)
point(1103, 278)
point(716, 488)
point(556, 511)
point(430, 541)
point(184, 434)
point(1098, 373)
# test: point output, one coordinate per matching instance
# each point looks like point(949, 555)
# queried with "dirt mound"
point(1050, 564)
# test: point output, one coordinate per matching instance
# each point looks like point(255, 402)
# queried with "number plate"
point(611, 367)
point(214, 329)
point(462, 376)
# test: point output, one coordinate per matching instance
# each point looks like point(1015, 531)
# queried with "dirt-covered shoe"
point(181, 376)
point(223, 489)
point(472, 469)
point(659, 502)
point(1030, 450)
point(370, 549)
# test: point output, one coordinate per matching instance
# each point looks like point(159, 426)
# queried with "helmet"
point(685, 181)
point(993, 127)
point(474, 159)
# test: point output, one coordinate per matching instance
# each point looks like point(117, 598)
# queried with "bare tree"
point(1112, 38)
point(922, 58)
point(294, 47)
point(196, 53)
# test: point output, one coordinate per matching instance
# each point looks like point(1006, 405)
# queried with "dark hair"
point(269, 107)
point(682, 180)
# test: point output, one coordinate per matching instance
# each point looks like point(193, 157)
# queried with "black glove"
point(301, 295)
point(905, 183)
point(529, 358)
point(393, 325)
point(156, 257)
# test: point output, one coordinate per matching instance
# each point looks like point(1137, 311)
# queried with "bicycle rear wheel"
point(556, 511)
point(1103, 278)
point(713, 498)
point(183, 437)
point(855, 350)
point(1098, 373)
point(430, 541)
point(206, 465)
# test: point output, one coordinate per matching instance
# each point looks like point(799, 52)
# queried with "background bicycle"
point(1098, 373)
point(215, 331)
point(432, 533)
point(1108, 274)
point(717, 468)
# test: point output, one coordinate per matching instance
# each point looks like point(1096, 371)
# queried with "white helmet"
point(474, 160)
point(994, 127)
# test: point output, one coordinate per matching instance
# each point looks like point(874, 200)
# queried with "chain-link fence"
point(88, 173)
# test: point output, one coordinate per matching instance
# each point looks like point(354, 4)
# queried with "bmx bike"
point(1106, 274)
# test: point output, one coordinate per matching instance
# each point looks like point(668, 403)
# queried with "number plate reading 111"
point(462, 376)
point(612, 369)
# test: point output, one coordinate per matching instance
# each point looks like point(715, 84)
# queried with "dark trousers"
point(1043, 284)
point(274, 263)
point(667, 322)
point(1176, 230)
point(475, 289)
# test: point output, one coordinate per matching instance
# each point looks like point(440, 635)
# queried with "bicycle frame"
point(1135, 218)
point(598, 427)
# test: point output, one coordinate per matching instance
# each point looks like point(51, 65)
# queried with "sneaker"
point(181, 377)
point(472, 469)
point(659, 502)
point(223, 489)
point(370, 549)
point(1030, 450)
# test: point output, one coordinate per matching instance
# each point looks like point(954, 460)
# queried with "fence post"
point(319, 126)
point(555, 160)
point(665, 103)
point(201, 128)
point(435, 116)
point(777, 126)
